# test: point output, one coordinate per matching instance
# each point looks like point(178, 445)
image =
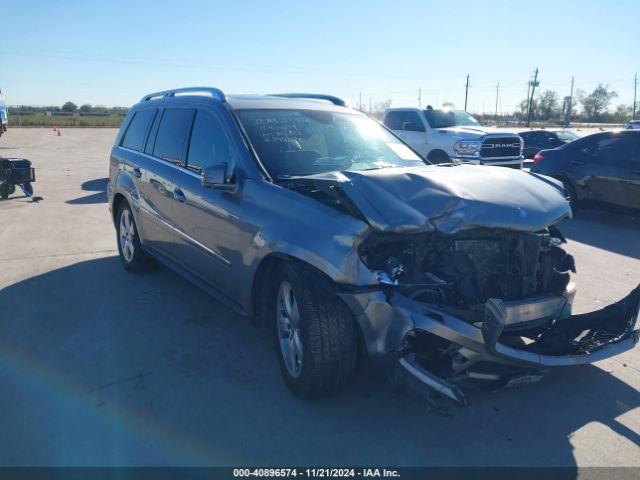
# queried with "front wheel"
point(132, 256)
point(315, 334)
point(438, 156)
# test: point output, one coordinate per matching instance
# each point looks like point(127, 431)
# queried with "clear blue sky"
point(111, 52)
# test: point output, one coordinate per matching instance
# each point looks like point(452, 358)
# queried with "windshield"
point(304, 142)
point(449, 118)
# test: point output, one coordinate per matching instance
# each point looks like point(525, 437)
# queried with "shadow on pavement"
point(98, 185)
point(103, 367)
point(615, 232)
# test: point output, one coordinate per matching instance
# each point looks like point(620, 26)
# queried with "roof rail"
point(216, 93)
point(313, 96)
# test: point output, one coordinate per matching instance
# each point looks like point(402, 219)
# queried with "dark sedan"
point(536, 140)
point(602, 169)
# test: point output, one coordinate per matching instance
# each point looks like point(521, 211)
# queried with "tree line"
point(70, 108)
point(585, 107)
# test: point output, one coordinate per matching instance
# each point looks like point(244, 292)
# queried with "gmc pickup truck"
point(443, 136)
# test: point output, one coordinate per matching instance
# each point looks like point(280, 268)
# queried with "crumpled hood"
point(452, 198)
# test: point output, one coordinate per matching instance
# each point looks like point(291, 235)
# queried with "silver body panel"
point(221, 238)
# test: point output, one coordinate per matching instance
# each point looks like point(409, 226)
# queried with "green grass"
point(42, 120)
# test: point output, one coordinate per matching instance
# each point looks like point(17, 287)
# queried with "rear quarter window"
point(137, 130)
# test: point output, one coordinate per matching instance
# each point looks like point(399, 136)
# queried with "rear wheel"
point(132, 256)
point(315, 334)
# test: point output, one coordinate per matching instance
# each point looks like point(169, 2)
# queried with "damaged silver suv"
point(301, 212)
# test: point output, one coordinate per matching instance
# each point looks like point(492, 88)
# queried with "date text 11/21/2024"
point(316, 472)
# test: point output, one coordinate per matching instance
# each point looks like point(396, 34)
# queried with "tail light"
point(537, 158)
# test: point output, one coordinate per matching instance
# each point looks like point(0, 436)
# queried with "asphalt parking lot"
point(102, 367)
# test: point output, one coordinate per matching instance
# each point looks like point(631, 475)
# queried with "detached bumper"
point(387, 326)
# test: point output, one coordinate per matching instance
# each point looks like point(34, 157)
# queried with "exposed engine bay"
point(463, 271)
point(473, 282)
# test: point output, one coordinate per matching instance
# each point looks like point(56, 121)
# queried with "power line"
point(534, 84)
point(569, 106)
point(635, 91)
point(466, 93)
point(497, 95)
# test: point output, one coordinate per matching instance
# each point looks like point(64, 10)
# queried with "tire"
point(438, 157)
point(6, 190)
point(132, 255)
point(321, 338)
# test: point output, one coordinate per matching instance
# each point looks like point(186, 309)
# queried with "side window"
point(137, 130)
point(617, 149)
point(413, 122)
point(172, 134)
point(151, 139)
point(394, 120)
point(209, 143)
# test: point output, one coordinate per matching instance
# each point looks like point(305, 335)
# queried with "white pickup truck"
point(443, 135)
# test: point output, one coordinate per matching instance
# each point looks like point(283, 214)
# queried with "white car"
point(443, 136)
point(633, 125)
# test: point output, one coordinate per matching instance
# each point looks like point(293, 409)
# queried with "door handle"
point(137, 172)
point(577, 162)
point(179, 195)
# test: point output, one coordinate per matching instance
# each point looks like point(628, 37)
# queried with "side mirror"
point(412, 127)
point(216, 177)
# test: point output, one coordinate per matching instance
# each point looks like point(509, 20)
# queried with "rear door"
point(606, 165)
point(165, 152)
point(142, 168)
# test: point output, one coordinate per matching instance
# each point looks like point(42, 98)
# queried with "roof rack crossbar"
point(313, 96)
point(216, 93)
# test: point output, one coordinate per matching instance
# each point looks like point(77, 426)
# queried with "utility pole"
point(360, 102)
point(419, 97)
point(567, 115)
point(497, 95)
point(534, 84)
point(635, 92)
point(466, 93)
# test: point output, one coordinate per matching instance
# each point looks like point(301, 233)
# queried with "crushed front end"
point(481, 305)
